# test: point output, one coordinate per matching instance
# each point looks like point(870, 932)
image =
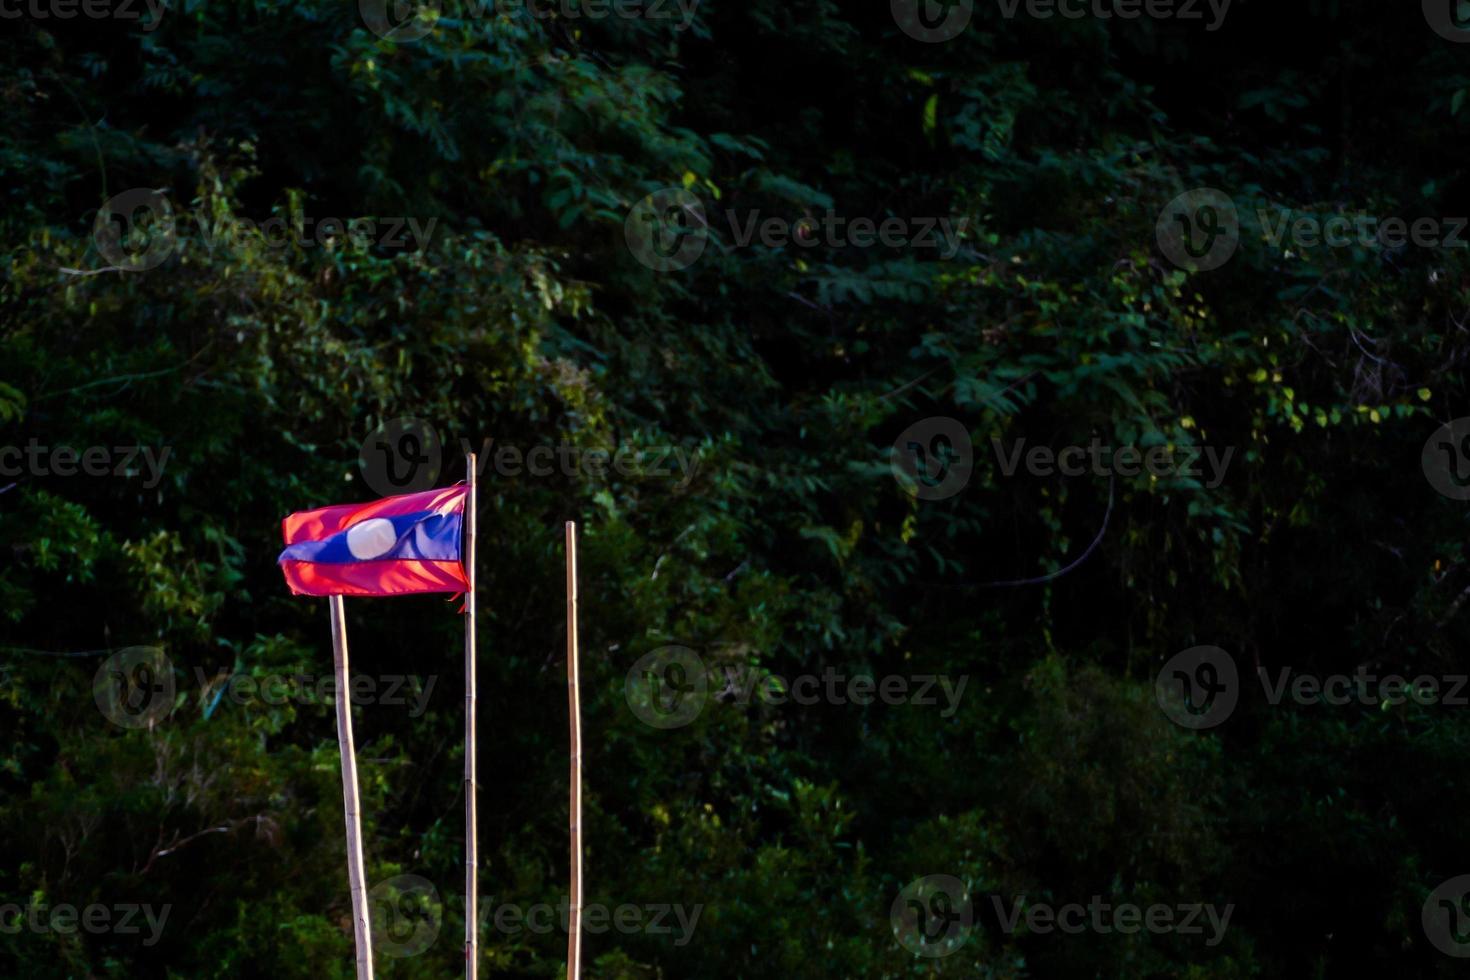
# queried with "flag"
point(394, 546)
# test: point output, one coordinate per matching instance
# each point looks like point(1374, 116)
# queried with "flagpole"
point(351, 807)
point(471, 827)
point(574, 705)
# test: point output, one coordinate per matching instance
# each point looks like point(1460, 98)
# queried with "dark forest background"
point(788, 373)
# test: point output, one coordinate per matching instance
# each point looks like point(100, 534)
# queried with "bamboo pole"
point(351, 807)
point(471, 826)
point(574, 705)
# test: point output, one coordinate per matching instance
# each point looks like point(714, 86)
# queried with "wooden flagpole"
point(351, 807)
point(574, 705)
point(471, 827)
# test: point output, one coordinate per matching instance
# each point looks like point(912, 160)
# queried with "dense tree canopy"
point(484, 220)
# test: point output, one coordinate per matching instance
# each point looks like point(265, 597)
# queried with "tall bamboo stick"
point(351, 807)
point(471, 827)
point(574, 705)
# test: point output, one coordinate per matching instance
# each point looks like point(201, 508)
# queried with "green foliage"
point(262, 358)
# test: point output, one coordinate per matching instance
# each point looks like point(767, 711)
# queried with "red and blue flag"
point(394, 546)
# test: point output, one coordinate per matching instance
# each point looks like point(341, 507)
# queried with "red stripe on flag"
point(392, 577)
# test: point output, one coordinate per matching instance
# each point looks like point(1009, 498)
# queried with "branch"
point(1041, 579)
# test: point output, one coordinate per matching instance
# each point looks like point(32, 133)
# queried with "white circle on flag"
point(371, 538)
